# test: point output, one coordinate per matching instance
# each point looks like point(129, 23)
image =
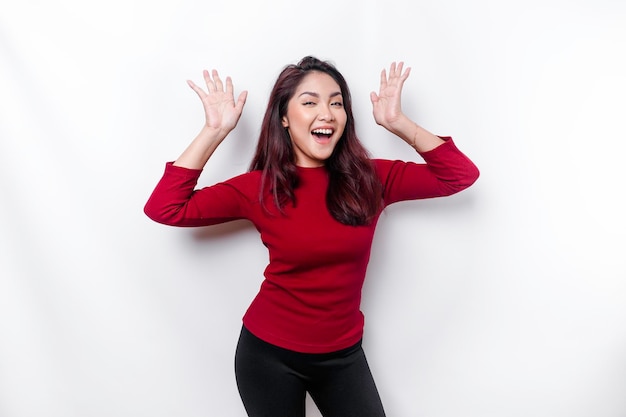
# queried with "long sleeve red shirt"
point(310, 298)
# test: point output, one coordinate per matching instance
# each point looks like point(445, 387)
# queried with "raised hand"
point(221, 111)
point(387, 103)
point(388, 110)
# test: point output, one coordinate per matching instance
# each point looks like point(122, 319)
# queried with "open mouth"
point(323, 134)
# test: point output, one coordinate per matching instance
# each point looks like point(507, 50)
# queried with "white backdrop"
point(504, 300)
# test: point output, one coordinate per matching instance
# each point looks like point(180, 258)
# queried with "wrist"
point(404, 128)
point(211, 135)
point(424, 141)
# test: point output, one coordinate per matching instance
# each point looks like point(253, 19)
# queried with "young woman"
point(315, 196)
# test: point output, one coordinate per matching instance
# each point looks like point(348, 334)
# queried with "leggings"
point(273, 381)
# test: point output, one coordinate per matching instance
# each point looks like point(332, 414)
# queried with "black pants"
point(273, 381)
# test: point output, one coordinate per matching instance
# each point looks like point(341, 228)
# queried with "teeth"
point(323, 131)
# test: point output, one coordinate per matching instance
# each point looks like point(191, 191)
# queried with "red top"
point(310, 298)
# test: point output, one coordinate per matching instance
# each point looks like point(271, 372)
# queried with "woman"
point(315, 196)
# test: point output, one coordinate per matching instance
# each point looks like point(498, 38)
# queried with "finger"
point(210, 85)
point(392, 69)
point(399, 69)
point(383, 79)
point(195, 88)
point(229, 85)
point(241, 100)
point(219, 86)
point(406, 74)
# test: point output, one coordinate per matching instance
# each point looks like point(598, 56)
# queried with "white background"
point(507, 300)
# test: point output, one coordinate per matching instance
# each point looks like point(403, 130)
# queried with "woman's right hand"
point(220, 109)
point(222, 114)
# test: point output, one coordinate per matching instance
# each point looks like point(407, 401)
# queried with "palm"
point(220, 109)
point(387, 103)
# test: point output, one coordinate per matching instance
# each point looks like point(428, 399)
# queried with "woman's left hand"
point(387, 103)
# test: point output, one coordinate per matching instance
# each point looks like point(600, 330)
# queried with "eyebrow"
point(310, 93)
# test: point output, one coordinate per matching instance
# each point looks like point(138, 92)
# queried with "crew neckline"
point(319, 168)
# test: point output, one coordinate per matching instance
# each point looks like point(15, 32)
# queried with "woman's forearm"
point(415, 135)
point(196, 155)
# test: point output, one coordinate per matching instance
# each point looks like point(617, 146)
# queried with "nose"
point(326, 114)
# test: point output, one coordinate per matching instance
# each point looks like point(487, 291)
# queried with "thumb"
point(241, 100)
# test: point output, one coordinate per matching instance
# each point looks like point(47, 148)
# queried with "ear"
point(285, 122)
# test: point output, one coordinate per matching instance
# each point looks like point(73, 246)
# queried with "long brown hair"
point(354, 195)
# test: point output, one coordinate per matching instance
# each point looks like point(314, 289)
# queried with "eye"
point(337, 104)
point(308, 103)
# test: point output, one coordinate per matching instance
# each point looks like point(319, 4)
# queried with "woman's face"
point(315, 119)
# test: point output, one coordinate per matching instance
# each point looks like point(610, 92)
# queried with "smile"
point(322, 136)
point(325, 133)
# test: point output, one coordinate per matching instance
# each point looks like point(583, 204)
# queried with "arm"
point(447, 170)
point(388, 111)
point(221, 113)
point(174, 200)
